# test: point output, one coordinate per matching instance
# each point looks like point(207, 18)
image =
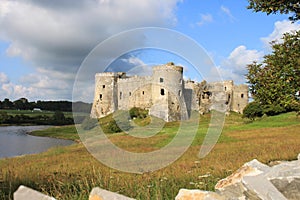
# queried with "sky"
point(45, 44)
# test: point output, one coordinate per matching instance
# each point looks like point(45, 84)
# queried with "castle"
point(165, 94)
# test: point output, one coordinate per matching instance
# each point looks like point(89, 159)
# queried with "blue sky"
point(43, 43)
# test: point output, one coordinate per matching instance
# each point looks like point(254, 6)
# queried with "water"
point(15, 142)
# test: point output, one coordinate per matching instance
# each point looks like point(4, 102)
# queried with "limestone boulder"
point(286, 178)
point(185, 194)
point(25, 193)
point(100, 194)
point(236, 186)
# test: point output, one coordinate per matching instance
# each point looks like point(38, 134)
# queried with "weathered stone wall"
point(105, 98)
point(165, 94)
point(134, 92)
point(240, 98)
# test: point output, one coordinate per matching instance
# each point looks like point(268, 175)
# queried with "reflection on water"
point(14, 141)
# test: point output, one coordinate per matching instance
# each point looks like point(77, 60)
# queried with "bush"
point(253, 110)
point(117, 126)
point(271, 110)
point(138, 113)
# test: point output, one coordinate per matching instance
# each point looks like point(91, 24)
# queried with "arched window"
point(242, 95)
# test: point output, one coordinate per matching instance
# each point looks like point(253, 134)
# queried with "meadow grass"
point(31, 113)
point(71, 172)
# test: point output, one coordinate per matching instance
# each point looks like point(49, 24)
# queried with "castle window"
point(225, 88)
point(179, 93)
point(120, 95)
point(129, 93)
point(103, 86)
point(242, 95)
point(143, 92)
point(161, 80)
point(100, 96)
point(162, 92)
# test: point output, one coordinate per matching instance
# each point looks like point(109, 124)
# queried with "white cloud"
point(3, 78)
point(134, 61)
point(228, 13)
point(205, 18)
point(280, 28)
point(40, 90)
point(234, 66)
point(56, 36)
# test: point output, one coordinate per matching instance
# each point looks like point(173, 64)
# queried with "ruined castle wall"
point(134, 91)
point(240, 98)
point(105, 101)
point(192, 95)
point(167, 93)
point(218, 96)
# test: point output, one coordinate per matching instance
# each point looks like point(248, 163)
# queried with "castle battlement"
point(163, 94)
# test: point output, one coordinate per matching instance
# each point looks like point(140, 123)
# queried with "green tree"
point(276, 81)
point(277, 6)
point(3, 117)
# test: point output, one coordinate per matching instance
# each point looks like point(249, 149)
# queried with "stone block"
point(25, 193)
point(185, 194)
point(100, 194)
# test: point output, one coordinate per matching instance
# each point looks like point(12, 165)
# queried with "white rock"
point(185, 194)
point(100, 194)
point(233, 185)
point(25, 193)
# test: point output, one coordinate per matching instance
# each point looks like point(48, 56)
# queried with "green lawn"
point(34, 113)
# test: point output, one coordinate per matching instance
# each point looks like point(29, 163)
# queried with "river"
point(14, 141)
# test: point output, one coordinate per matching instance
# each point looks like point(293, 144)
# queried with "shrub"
point(272, 110)
point(253, 110)
point(117, 126)
point(138, 113)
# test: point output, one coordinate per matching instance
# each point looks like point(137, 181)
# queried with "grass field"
point(31, 113)
point(71, 172)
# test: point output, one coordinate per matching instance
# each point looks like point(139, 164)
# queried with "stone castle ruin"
point(165, 94)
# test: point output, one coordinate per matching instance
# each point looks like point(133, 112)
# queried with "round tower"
point(167, 92)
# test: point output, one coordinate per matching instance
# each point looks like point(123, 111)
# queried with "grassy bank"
point(71, 172)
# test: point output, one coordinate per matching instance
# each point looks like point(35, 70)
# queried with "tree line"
point(65, 106)
point(58, 118)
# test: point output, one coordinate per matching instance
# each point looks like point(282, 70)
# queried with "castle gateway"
point(165, 94)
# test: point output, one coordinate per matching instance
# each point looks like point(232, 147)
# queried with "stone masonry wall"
point(165, 94)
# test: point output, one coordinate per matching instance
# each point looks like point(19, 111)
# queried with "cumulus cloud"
point(3, 78)
point(280, 27)
point(55, 36)
point(234, 66)
point(205, 18)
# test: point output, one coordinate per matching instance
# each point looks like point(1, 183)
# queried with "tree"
point(276, 81)
point(275, 6)
point(7, 104)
